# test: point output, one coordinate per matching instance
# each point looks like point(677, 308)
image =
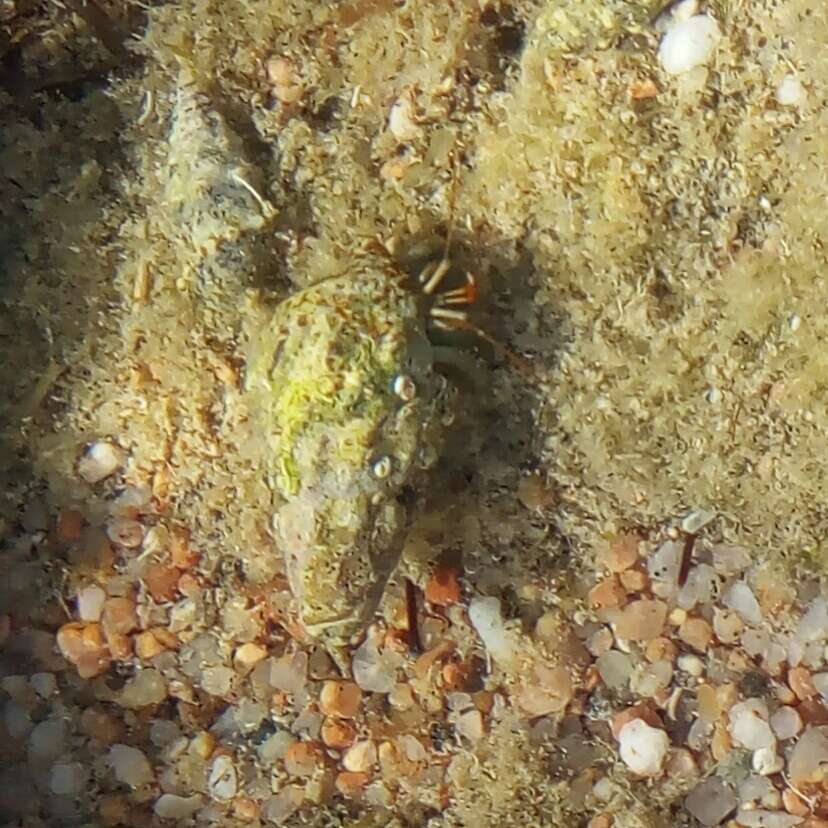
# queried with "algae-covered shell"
point(342, 443)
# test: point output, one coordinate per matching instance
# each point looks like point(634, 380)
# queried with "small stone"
point(172, 806)
point(600, 642)
point(284, 79)
point(337, 733)
point(90, 603)
point(218, 680)
point(402, 118)
point(99, 461)
point(501, 641)
point(44, 684)
point(709, 707)
point(340, 698)
point(161, 581)
point(350, 784)
point(696, 633)
point(652, 679)
point(289, 673)
point(727, 625)
point(642, 710)
point(360, 757)
point(790, 91)
point(147, 646)
point(633, 580)
point(68, 779)
point(642, 620)
point(741, 599)
point(690, 664)
point(758, 818)
point(800, 681)
point(693, 522)
point(375, 670)
point(615, 669)
point(765, 761)
point(688, 44)
point(661, 649)
point(470, 725)
point(280, 808)
point(248, 656)
point(794, 804)
point(607, 594)
point(749, 725)
point(130, 765)
point(302, 759)
point(83, 645)
point(621, 552)
point(820, 682)
point(443, 587)
point(401, 697)
point(222, 782)
point(643, 748)
point(813, 626)
point(146, 687)
point(119, 616)
point(711, 801)
point(808, 761)
point(786, 723)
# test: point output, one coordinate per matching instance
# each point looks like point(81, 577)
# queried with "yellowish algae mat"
point(651, 248)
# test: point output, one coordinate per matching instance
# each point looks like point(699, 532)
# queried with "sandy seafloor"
point(650, 255)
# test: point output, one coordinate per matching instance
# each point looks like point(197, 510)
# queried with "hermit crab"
point(344, 388)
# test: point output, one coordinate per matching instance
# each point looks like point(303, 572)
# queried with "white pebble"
point(696, 520)
point(45, 684)
point(813, 626)
point(820, 681)
point(100, 460)
point(360, 757)
point(67, 778)
point(130, 765)
point(172, 806)
point(90, 603)
point(809, 756)
point(223, 780)
point(690, 664)
point(790, 91)
point(741, 599)
point(375, 671)
point(710, 801)
point(749, 725)
point(766, 761)
point(642, 748)
point(766, 819)
point(689, 43)
point(786, 722)
point(402, 118)
point(501, 643)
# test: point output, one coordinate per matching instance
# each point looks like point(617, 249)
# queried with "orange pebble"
point(69, 525)
point(337, 733)
point(800, 681)
point(161, 581)
point(607, 594)
point(351, 784)
point(147, 646)
point(340, 698)
point(443, 588)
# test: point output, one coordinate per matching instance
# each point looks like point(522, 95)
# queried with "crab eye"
point(404, 387)
point(382, 467)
